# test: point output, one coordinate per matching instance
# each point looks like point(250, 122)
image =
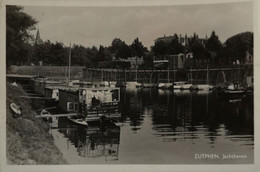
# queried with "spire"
point(38, 38)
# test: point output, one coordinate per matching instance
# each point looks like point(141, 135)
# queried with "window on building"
point(75, 106)
point(70, 106)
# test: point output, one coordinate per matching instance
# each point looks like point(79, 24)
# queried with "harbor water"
point(164, 127)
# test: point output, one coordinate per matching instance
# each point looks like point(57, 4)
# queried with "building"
point(132, 62)
point(184, 40)
point(249, 58)
point(165, 39)
point(177, 61)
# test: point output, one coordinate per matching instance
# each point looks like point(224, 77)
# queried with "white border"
point(136, 168)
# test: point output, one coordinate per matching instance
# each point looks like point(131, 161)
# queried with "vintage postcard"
point(127, 85)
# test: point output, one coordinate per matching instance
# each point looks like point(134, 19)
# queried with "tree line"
point(23, 49)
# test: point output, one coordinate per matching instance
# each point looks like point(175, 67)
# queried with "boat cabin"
point(89, 100)
point(52, 92)
point(39, 84)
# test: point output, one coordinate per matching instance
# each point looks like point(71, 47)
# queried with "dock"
point(20, 76)
point(57, 115)
point(34, 97)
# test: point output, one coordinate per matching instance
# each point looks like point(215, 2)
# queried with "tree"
point(159, 48)
point(18, 38)
point(78, 55)
point(137, 48)
point(175, 47)
point(116, 44)
point(41, 51)
point(199, 51)
point(120, 49)
point(238, 45)
point(124, 51)
point(58, 54)
point(91, 56)
point(214, 45)
point(148, 61)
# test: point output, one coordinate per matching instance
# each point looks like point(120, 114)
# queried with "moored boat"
point(80, 121)
point(186, 86)
point(45, 112)
point(112, 84)
point(149, 85)
point(181, 85)
point(17, 110)
point(204, 87)
point(133, 84)
point(120, 84)
point(232, 92)
point(165, 85)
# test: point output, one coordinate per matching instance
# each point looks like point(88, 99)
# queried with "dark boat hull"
point(231, 94)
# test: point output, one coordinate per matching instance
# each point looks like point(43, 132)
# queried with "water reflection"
point(93, 141)
point(184, 115)
point(170, 125)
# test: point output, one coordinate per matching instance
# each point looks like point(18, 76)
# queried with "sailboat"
point(113, 82)
point(180, 85)
point(187, 86)
point(77, 119)
point(234, 90)
point(166, 85)
point(134, 84)
point(149, 85)
point(206, 86)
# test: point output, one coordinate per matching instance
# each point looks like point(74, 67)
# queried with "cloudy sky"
point(90, 26)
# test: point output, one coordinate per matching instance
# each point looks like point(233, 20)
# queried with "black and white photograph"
point(139, 84)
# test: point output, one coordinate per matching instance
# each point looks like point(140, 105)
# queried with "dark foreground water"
point(164, 127)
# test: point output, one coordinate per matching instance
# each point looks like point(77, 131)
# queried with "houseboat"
point(94, 104)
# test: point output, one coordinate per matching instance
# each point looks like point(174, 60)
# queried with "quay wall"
point(76, 72)
point(195, 76)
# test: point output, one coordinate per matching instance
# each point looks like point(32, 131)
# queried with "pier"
point(57, 115)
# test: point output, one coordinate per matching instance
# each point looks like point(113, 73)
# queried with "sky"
point(95, 26)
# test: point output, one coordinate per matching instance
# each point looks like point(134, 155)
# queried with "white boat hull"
point(205, 87)
point(186, 86)
point(16, 109)
point(79, 121)
point(92, 119)
point(133, 84)
point(149, 85)
point(165, 85)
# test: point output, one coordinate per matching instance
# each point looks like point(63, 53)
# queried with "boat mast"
point(136, 68)
point(173, 68)
point(69, 65)
point(207, 74)
point(168, 75)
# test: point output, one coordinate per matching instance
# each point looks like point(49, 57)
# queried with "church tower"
point(34, 60)
point(38, 38)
